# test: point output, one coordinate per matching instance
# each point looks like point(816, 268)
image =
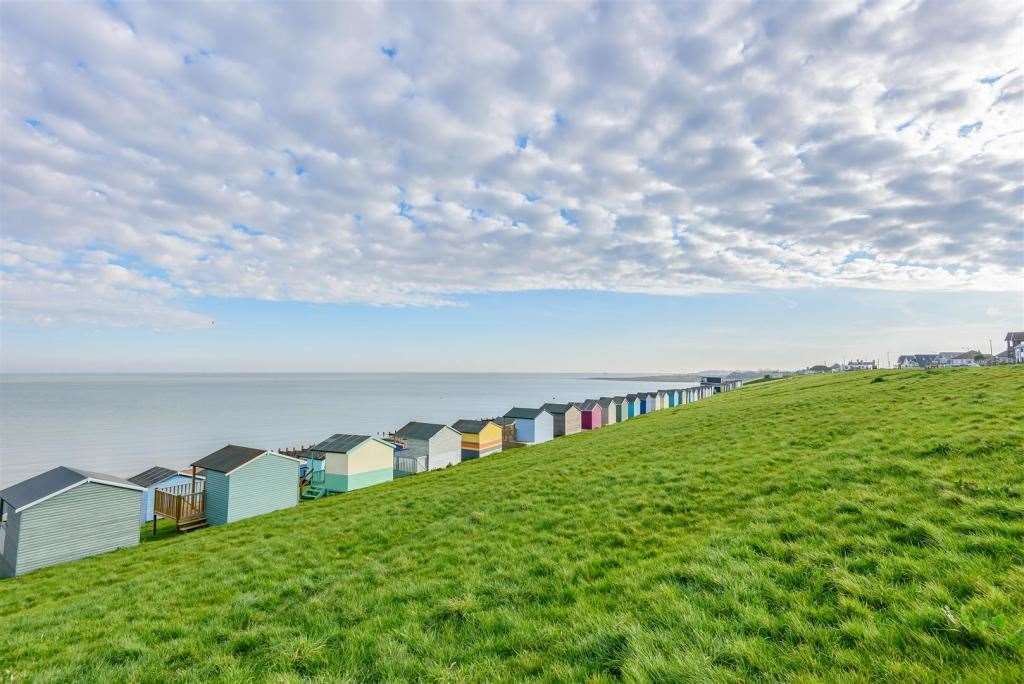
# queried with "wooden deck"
point(186, 508)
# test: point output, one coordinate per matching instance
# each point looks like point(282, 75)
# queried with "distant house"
point(608, 411)
point(567, 418)
point(1015, 345)
point(163, 479)
point(1005, 356)
point(916, 360)
point(718, 384)
point(859, 365)
point(352, 462)
point(533, 426)
point(944, 359)
point(968, 358)
point(65, 514)
point(427, 446)
point(242, 482)
point(479, 437)
point(591, 415)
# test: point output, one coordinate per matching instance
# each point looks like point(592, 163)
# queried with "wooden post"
point(193, 479)
point(154, 524)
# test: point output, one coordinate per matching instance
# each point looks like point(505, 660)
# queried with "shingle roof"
point(27, 492)
point(148, 478)
point(556, 408)
point(470, 425)
point(340, 443)
point(528, 413)
point(228, 458)
point(589, 404)
point(416, 430)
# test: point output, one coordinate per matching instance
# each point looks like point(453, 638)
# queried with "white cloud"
point(407, 154)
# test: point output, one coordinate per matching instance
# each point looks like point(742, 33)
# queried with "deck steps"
point(312, 492)
point(193, 525)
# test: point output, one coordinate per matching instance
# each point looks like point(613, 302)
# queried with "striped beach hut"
point(567, 418)
point(427, 446)
point(479, 437)
point(608, 411)
point(350, 462)
point(591, 415)
point(533, 425)
point(65, 514)
point(242, 482)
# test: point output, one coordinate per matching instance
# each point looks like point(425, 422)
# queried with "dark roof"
point(340, 444)
point(529, 413)
point(631, 397)
point(503, 420)
point(618, 400)
point(1014, 337)
point(606, 401)
point(227, 459)
point(40, 486)
point(557, 408)
point(590, 404)
point(148, 478)
point(969, 355)
point(469, 425)
point(416, 430)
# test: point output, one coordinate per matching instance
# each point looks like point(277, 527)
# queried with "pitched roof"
point(631, 397)
point(557, 408)
point(589, 404)
point(148, 478)
point(470, 425)
point(968, 355)
point(618, 399)
point(228, 458)
point(528, 413)
point(503, 420)
point(340, 443)
point(54, 481)
point(416, 430)
point(606, 401)
point(1014, 337)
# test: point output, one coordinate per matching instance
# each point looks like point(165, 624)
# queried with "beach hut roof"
point(557, 408)
point(605, 401)
point(43, 486)
point(618, 399)
point(589, 404)
point(340, 444)
point(469, 425)
point(631, 397)
point(228, 459)
point(529, 413)
point(148, 478)
point(416, 430)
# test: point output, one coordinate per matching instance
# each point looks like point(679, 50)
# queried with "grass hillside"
point(854, 526)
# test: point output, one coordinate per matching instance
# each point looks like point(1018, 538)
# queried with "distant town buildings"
point(1014, 353)
point(857, 365)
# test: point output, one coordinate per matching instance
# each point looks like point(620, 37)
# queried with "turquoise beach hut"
point(243, 482)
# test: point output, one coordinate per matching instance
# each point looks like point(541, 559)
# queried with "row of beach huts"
point(66, 513)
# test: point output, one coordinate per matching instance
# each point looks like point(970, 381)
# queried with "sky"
point(620, 187)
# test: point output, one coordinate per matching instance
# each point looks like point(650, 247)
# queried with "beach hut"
point(508, 431)
point(644, 402)
point(591, 415)
point(533, 425)
point(242, 482)
point(65, 514)
point(673, 398)
point(349, 462)
point(664, 401)
point(608, 411)
point(479, 437)
point(427, 446)
point(633, 404)
point(163, 479)
point(567, 418)
point(621, 409)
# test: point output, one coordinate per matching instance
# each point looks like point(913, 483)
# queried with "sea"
point(122, 424)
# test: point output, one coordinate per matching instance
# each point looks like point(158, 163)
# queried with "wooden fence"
point(182, 508)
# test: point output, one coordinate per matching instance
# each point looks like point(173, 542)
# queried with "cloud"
point(409, 154)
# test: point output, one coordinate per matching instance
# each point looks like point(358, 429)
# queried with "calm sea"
point(122, 424)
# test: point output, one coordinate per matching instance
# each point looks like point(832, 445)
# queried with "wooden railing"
point(182, 508)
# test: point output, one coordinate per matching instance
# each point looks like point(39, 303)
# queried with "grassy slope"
point(825, 526)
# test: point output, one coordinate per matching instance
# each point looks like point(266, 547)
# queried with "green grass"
point(818, 528)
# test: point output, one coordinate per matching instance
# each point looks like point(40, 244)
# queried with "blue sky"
point(646, 186)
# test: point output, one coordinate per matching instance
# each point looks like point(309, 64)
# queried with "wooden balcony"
point(186, 508)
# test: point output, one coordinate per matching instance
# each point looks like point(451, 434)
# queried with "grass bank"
point(850, 526)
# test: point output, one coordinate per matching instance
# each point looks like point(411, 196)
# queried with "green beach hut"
point(353, 461)
point(243, 482)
